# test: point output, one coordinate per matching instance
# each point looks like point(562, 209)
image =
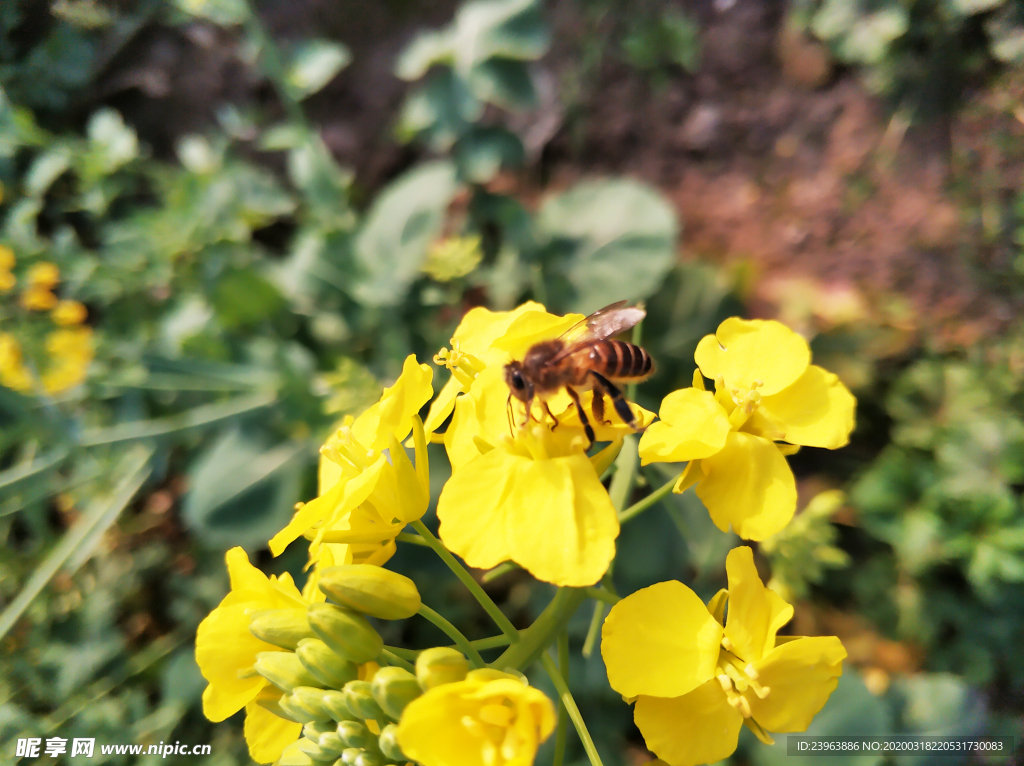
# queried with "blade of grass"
point(19, 473)
point(101, 511)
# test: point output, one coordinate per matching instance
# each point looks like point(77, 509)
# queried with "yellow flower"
point(697, 679)
point(6, 258)
point(487, 338)
point(367, 495)
point(13, 372)
point(226, 651)
point(69, 313)
point(43, 275)
point(489, 719)
point(70, 351)
point(38, 299)
point(453, 257)
point(766, 391)
point(537, 500)
point(7, 281)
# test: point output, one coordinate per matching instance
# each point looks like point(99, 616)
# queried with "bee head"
point(519, 386)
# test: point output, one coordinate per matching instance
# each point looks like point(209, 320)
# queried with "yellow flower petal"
point(817, 410)
point(266, 734)
point(755, 612)
point(747, 351)
point(698, 727)
point(692, 425)
point(532, 327)
point(224, 646)
point(480, 414)
point(551, 515)
point(392, 415)
point(801, 675)
point(443, 405)
point(748, 485)
point(660, 641)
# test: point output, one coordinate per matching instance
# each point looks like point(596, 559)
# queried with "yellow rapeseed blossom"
point(7, 280)
point(44, 275)
point(226, 651)
point(766, 391)
point(453, 257)
point(68, 312)
point(38, 299)
point(368, 488)
point(697, 678)
point(13, 372)
point(70, 351)
point(489, 719)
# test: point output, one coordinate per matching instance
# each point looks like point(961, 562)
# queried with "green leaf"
point(401, 224)
point(426, 50)
point(971, 7)
point(46, 169)
point(112, 144)
point(440, 111)
point(314, 63)
point(510, 29)
point(78, 542)
point(482, 152)
point(503, 82)
point(619, 237)
point(241, 493)
point(243, 298)
point(224, 12)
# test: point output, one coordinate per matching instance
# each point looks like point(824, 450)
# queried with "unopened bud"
point(314, 751)
point(355, 734)
point(347, 633)
point(314, 729)
point(281, 627)
point(294, 712)
point(393, 689)
point(334, 703)
point(367, 758)
point(312, 700)
point(371, 590)
point(283, 670)
point(325, 664)
point(349, 755)
point(292, 756)
point(359, 698)
point(330, 742)
point(440, 665)
point(388, 743)
point(274, 706)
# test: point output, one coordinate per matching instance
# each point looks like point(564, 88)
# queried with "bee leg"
point(621, 405)
point(587, 428)
point(598, 406)
point(551, 415)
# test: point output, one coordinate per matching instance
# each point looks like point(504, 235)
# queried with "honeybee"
point(581, 359)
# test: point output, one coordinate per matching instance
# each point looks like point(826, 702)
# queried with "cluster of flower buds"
point(329, 674)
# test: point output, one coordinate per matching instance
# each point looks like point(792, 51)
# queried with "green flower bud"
point(393, 689)
point(314, 751)
point(312, 700)
point(281, 627)
point(330, 742)
point(296, 712)
point(440, 665)
point(294, 758)
point(274, 706)
point(314, 729)
point(283, 670)
point(355, 734)
point(388, 743)
point(326, 665)
point(368, 759)
point(371, 590)
point(347, 633)
point(359, 698)
point(349, 755)
point(334, 703)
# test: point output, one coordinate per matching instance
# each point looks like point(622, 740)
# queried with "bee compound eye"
point(517, 381)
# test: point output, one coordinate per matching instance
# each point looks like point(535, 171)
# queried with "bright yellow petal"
point(392, 415)
point(692, 425)
point(801, 675)
point(749, 486)
point(695, 728)
point(224, 647)
point(531, 327)
point(755, 612)
point(266, 734)
point(743, 351)
point(660, 641)
point(307, 516)
point(443, 405)
point(431, 729)
point(815, 411)
point(480, 414)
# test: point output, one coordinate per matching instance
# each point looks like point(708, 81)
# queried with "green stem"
point(594, 630)
point(453, 633)
point(503, 568)
point(503, 623)
point(625, 473)
point(570, 705)
point(537, 637)
point(480, 644)
point(652, 499)
point(563, 720)
point(394, 659)
point(601, 594)
point(407, 537)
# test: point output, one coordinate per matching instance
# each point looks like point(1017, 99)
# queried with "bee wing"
point(603, 323)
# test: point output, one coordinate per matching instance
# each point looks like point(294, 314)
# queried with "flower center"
point(345, 451)
point(737, 678)
point(465, 367)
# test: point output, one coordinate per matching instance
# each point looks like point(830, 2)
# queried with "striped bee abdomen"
point(621, 360)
